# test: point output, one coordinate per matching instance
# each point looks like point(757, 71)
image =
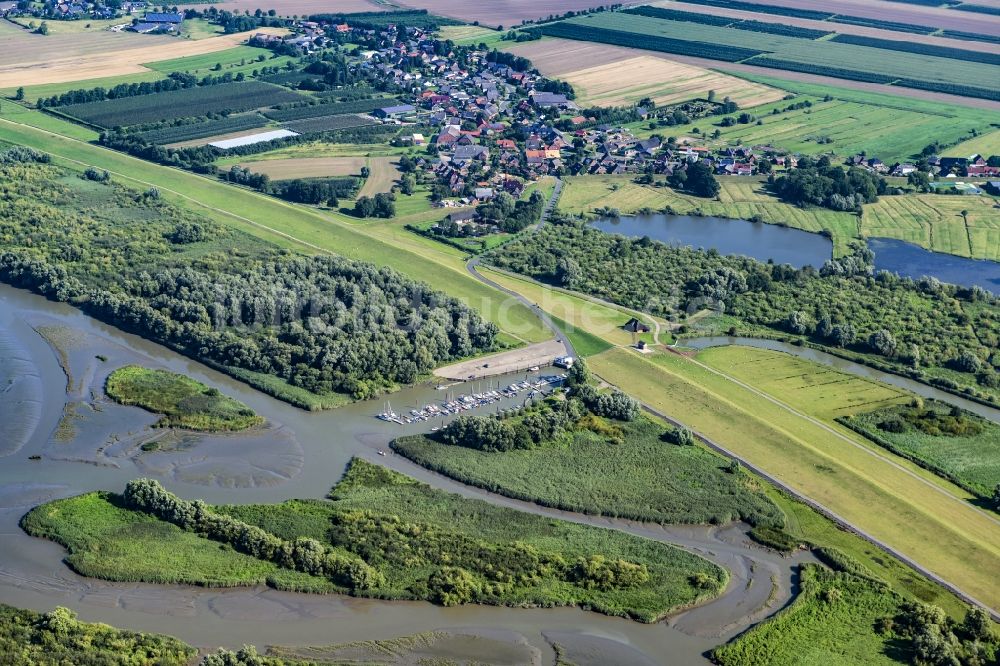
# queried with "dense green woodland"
point(939, 333)
point(324, 324)
point(380, 535)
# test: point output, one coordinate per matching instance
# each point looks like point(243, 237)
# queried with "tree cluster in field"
point(325, 324)
point(944, 334)
point(548, 421)
point(821, 183)
point(696, 178)
point(299, 190)
point(381, 205)
point(58, 637)
point(937, 640)
point(512, 215)
point(303, 554)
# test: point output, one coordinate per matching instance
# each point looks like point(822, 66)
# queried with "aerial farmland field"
point(816, 56)
point(890, 127)
point(24, 61)
point(306, 167)
point(605, 75)
point(180, 103)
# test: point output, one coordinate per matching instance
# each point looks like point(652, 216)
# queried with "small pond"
point(913, 261)
point(761, 241)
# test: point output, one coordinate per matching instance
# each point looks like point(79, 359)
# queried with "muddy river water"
point(59, 437)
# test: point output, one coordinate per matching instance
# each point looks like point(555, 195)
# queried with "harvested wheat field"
point(299, 7)
point(605, 75)
point(307, 167)
point(105, 54)
point(383, 175)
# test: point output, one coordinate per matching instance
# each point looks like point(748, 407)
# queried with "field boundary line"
point(872, 452)
point(822, 509)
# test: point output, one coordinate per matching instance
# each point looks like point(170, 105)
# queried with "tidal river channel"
point(60, 437)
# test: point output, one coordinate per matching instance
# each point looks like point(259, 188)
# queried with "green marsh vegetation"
point(184, 402)
point(843, 615)
point(958, 445)
point(579, 454)
point(310, 329)
point(57, 638)
point(381, 535)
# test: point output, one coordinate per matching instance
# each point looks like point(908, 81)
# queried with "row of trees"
point(302, 554)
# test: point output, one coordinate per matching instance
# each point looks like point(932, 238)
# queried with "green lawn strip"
point(644, 478)
point(943, 534)
point(585, 344)
point(968, 454)
point(269, 218)
point(425, 544)
point(831, 621)
point(184, 402)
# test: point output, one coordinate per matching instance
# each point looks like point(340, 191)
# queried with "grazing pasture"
point(935, 221)
point(24, 61)
point(610, 76)
point(307, 167)
point(184, 103)
point(964, 448)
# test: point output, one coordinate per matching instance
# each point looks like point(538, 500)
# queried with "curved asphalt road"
point(473, 263)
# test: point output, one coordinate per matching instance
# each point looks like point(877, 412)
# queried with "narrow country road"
point(472, 269)
point(473, 263)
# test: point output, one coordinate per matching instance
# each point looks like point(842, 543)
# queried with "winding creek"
point(86, 443)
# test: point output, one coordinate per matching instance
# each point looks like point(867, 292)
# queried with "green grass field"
point(936, 528)
point(234, 60)
point(985, 144)
point(643, 478)
point(32, 93)
point(184, 402)
point(935, 221)
point(412, 534)
point(969, 455)
point(890, 127)
point(830, 622)
point(287, 225)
